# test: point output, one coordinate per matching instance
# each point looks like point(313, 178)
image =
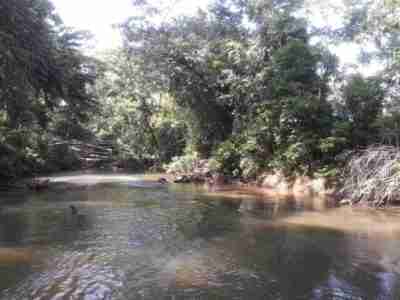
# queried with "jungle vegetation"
point(251, 84)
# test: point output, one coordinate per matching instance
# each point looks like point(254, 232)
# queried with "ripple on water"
point(146, 242)
point(75, 275)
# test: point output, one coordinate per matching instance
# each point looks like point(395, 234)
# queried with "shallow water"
point(135, 239)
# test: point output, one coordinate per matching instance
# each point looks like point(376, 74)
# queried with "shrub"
point(249, 168)
point(213, 165)
point(228, 156)
point(183, 164)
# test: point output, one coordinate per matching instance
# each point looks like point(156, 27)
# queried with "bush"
point(20, 153)
point(363, 99)
point(183, 164)
point(228, 155)
point(249, 168)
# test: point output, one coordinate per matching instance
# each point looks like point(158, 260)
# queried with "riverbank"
point(267, 185)
point(274, 184)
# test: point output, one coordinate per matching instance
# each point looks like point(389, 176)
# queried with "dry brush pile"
point(373, 176)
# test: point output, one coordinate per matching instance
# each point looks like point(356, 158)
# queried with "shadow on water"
point(142, 241)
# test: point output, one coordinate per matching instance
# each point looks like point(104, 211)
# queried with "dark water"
point(145, 241)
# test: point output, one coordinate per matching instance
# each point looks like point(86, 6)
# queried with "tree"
point(134, 116)
point(364, 102)
point(43, 76)
point(224, 72)
point(187, 57)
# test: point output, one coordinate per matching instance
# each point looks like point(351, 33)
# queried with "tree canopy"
point(44, 79)
point(248, 83)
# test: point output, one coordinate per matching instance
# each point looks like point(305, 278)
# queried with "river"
point(132, 238)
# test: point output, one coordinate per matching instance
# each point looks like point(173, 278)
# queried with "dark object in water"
point(74, 210)
point(39, 184)
point(182, 179)
point(77, 219)
point(162, 180)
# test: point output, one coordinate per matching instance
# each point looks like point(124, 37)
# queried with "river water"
point(135, 239)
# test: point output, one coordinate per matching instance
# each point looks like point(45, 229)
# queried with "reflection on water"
point(134, 239)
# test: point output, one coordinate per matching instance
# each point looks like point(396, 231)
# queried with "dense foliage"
point(251, 84)
point(44, 81)
point(251, 88)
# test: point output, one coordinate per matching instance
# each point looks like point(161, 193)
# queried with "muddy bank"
point(274, 185)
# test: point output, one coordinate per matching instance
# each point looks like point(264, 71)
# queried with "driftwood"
point(373, 176)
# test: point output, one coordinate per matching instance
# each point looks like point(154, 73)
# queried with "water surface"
point(135, 239)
